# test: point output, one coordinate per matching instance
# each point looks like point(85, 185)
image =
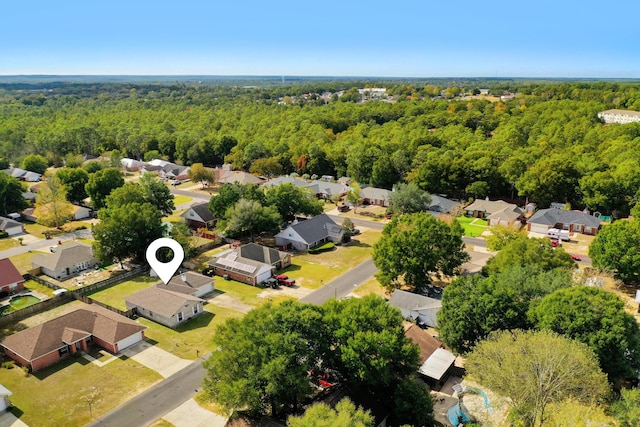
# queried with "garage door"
point(537, 228)
point(129, 341)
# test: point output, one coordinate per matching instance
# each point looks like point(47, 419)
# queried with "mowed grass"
point(473, 227)
point(115, 295)
point(192, 339)
point(37, 287)
point(57, 396)
point(371, 286)
point(23, 261)
point(247, 294)
point(180, 200)
point(8, 243)
point(312, 271)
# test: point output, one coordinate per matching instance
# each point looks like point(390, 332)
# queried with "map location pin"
point(165, 270)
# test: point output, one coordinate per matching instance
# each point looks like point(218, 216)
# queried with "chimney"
point(183, 277)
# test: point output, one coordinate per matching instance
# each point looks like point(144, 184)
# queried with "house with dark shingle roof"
point(435, 360)
point(574, 221)
point(441, 204)
point(302, 235)
point(252, 263)
point(266, 255)
point(174, 303)
point(57, 339)
point(11, 281)
point(67, 260)
point(199, 216)
point(482, 208)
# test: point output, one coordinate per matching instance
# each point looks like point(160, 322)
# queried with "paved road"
point(342, 285)
point(160, 399)
point(44, 243)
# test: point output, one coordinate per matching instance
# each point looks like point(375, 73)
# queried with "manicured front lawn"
point(115, 295)
point(192, 339)
point(8, 243)
point(23, 261)
point(180, 200)
point(35, 286)
point(58, 395)
point(371, 286)
point(473, 227)
point(248, 294)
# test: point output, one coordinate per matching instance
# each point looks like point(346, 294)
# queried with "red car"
point(555, 243)
point(282, 277)
point(576, 257)
point(284, 280)
point(343, 208)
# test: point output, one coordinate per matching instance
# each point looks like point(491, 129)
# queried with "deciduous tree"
point(249, 216)
point(101, 183)
point(11, 199)
point(408, 198)
point(322, 415)
point(52, 207)
point(291, 201)
point(415, 246)
point(597, 318)
point(156, 193)
point(198, 173)
point(35, 163)
point(535, 369)
point(616, 248)
point(75, 180)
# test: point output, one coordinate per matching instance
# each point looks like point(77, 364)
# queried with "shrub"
point(9, 364)
point(322, 248)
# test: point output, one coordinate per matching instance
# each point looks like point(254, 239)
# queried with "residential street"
point(44, 243)
point(158, 400)
point(343, 285)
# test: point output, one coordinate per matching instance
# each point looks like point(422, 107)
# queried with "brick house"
point(59, 338)
point(11, 281)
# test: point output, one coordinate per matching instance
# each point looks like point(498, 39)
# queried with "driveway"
point(161, 361)
point(294, 291)
point(9, 420)
point(225, 301)
point(190, 414)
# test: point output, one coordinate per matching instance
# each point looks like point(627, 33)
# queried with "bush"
point(8, 364)
point(322, 248)
point(3, 234)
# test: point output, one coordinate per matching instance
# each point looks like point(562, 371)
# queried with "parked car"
point(355, 232)
point(209, 271)
point(555, 243)
point(271, 283)
point(343, 208)
point(576, 257)
point(176, 182)
point(388, 215)
point(281, 277)
point(284, 280)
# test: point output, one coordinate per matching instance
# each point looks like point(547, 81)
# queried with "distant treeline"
point(546, 144)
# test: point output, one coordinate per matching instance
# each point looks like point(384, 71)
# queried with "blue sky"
point(464, 38)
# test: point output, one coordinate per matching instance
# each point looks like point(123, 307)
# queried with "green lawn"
point(23, 261)
point(194, 337)
point(473, 227)
point(114, 295)
point(180, 200)
point(57, 396)
point(8, 243)
point(248, 294)
point(35, 286)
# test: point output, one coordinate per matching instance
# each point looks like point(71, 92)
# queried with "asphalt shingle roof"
point(65, 255)
point(161, 300)
point(9, 273)
point(317, 228)
point(555, 216)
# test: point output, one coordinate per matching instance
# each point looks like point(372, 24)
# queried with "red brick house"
point(57, 339)
point(11, 281)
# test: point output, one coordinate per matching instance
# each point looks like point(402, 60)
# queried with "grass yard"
point(37, 287)
point(310, 269)
point(473, 227)
point(58, 395)
point(180, 200)
point(23, 261)
point(371, 286)
point(248, 294)
point(8, 243)
point(115, 295)
point(193, 338)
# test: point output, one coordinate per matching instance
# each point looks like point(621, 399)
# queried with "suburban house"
point(574, 221)
point(24, 175)
point(506, 217)
point(29, 197)
point(619, 116)
point(277, 259)
point(240, 177)
point(173, 303)
point(57, 339)
point(482, 208)
point(11, 281)
point(435, 360)
point(327, 190)
point(441, 204)
point(375, 196)
point(80, 212)
point(132, 165)
point(66, 260)
point(77, 212)
point(298, 182)
point(251, 265)
point(4, 398)
point(10, 226)
point(302, 235)
point(199, 216)
point(416, 308)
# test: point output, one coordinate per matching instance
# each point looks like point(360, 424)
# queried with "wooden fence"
point(111, 281)
point(37, 308)
point(88, 300)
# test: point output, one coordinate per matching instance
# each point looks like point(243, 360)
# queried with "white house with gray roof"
point(309, 233)
point(10, 226)
point(416, 308)
point(199, 216)
point(375, 196)
point(574, 221)
point(619, 116)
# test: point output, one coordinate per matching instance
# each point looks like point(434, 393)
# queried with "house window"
point(63, 350)
point(89, 339)
point(180, 316)
point(195, 309)
point(13, 286)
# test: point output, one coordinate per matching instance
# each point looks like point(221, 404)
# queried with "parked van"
point(555, 233)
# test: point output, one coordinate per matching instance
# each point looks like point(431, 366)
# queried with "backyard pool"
point(19, 302)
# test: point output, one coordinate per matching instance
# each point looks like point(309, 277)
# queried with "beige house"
point(65, 260)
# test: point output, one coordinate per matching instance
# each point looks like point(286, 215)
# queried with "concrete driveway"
point(9, 420)
point(161, 361)
point(190, 414)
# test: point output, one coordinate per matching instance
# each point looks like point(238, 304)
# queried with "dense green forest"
point(546, 144)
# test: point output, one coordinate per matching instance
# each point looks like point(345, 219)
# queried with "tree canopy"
point(75, 180)
point(598, 319)
point(408, 198)
point(535, 369)
point(415, 246)
point(35, 163)
point(344, 415)
point(101, 183)
point(11, 199)
point(52, 207)
point(291, 201)
point(249, 216)
point(616, 248)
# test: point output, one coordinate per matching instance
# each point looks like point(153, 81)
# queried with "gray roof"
point(191, 283)
point(315, 229)
point(261, 253)
point(240, 177)
point(65, 255)
point(441, 204)
point(552, 217)
point(510, 213)
point(286, 180)
point(159, 300)
point(375, 193)
point(231, 260)
point(202, 210)
point(8, 223)
point(28, 195)
point(330, 188)
point(416, 307)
